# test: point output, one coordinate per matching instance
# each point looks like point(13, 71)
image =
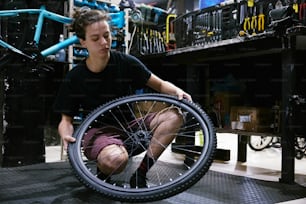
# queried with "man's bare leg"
point(165, 126)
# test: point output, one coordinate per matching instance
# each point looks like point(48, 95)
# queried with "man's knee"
point(173, 117)
point(112, 159)
point(178, 117)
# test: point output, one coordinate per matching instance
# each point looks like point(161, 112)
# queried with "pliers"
point(247, 21)
point(250, 23)
point(261, 19)
point(254, 21)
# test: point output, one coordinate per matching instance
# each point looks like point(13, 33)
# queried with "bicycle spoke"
point(137, 120)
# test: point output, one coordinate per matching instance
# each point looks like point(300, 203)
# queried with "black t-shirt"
point(84, 89)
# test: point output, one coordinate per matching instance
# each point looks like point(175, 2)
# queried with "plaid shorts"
point(98, 138)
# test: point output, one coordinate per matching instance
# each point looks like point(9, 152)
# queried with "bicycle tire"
point(167, 177)
point(299, 154)
point(300, 142)
point(258, 143)
point(300, 147)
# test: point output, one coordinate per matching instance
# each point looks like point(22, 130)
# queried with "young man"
point(101, 77)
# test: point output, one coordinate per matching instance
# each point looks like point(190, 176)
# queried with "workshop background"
point(170, 27)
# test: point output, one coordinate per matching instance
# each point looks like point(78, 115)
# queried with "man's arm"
point(65, 130)
point(166, 87)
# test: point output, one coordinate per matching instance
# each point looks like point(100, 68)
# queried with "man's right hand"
point(65, 130)
point(66, 139)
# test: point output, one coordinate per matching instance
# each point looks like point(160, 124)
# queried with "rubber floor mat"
point(55, 183)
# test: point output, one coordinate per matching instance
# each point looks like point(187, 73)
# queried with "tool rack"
point(229, 21)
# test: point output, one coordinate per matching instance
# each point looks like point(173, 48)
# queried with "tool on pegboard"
point(302, 12)
point(214, 29)
point(170, 34)
point(254, 20)
point(295, 6)
point(246, 15)
point(219, 24)
point(261, 18)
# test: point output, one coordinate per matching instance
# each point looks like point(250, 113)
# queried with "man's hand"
point(183, 95)
point(66, 139)
point(166, 87)
point(65, 130)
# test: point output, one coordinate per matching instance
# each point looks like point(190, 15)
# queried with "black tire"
point(299, 154)
point(300, 147)
point(300, 142)
point(258, 143)
point(167, 177)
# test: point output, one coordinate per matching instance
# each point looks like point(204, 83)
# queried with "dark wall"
point(30, 85)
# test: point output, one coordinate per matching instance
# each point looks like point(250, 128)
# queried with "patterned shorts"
point(98, 138)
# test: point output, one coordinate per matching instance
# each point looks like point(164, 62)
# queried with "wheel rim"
point(260, 142)
point(170, 172)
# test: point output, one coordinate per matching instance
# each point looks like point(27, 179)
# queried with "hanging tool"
point(241, 18)
point(141, 41)
point(155, 41)
point(242, 13)
point(261, 18)
point(156, 44)
point(151, 42)
point(138, 38)
point(214, 16)
point(209, 27)
point(161, 42)
point(302, 12)
point(247, 22)
point(170, 35)
point(219, 24)
point(254, 21)
point(251, 3)
point(145, 46)
point(295, 6)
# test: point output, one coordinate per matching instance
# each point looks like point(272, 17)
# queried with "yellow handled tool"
point(261, 22)
point(261, 19)
point(254, 24)
point(247, 24)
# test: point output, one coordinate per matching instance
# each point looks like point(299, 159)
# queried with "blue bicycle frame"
point(117, 20)
point(42, 14)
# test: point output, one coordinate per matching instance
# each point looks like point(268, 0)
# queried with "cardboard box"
point(226, 100)
point(251, 119)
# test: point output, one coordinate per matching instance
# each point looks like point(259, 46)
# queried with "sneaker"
point(103, 177)
point(138, 181)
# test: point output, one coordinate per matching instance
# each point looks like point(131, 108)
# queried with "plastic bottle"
point(60, 56)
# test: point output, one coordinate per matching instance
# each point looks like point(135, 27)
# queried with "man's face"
point(98, 39)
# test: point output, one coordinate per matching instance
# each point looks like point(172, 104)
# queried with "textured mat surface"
point(55, 183)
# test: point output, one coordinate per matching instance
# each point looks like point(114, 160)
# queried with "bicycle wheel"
point(259, 143)
point(300, 147)
point(170, 174)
